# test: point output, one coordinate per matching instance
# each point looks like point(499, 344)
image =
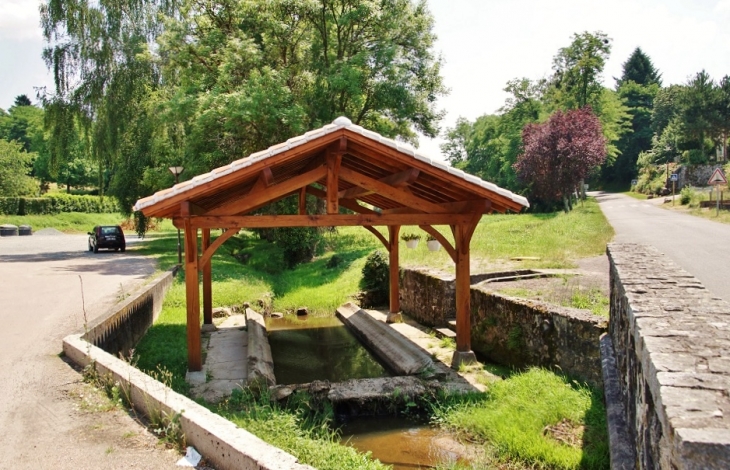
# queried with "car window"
point(109, 231)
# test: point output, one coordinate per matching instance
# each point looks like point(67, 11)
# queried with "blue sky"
point(484, 43)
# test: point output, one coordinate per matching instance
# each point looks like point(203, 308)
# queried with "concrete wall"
point(695, 175)
point(124, 324)
point(672, 345)
point(511, 331)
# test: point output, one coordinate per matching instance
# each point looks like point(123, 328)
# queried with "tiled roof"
point(338, 124)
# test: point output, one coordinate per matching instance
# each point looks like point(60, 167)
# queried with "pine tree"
point(639, 69)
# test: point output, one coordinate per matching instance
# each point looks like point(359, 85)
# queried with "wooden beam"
point(207, 288)
point(349, 204)
point(334, 161)
point(441, 239)
point(187, 209)
point(462, 235)
point(393, 231)
point(397, 180)
point(303, 200)
point(338, 220)
point(378, 235)
point(210, 251)
point(394, 194)
point(265, 195)
point(192, 298)
point(266, 179)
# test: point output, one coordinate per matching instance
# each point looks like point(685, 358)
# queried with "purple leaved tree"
point(560, 153)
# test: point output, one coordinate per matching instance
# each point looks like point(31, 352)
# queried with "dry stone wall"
point(672, 343)
point(510, 331)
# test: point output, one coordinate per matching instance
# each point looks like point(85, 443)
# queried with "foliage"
point(68, 222)
point(15, 164)
point(489, 146)
point(376, 277)
point(639, 69)
point(578, 67)
point(685, 195)
point(410, 236)
point(521, 414)
point(560, 153)
point(296, 430)
point(55, 204)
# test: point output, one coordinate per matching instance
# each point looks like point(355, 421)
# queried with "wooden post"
point(462, 238)
point(303, 201)
point(394, 312)
point(207, 291)
point(192, 298)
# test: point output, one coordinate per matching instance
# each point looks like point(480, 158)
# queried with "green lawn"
point(68, 222)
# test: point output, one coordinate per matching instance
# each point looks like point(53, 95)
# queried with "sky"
point(483, 43)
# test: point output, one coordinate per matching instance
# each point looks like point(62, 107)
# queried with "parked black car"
point(107, 236)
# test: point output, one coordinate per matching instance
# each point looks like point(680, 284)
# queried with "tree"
point(639, 69)
point(560, 153)
point(22, 100)
point(578, 67)
point(15, 166)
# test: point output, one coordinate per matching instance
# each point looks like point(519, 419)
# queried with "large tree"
point(15, 167)
point(560, 153)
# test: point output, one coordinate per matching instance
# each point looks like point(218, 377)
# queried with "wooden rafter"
point(478, 206)
point(266, 195)
point(395, 194)
point(348, 204)
point(334, 161)
point(397, 180)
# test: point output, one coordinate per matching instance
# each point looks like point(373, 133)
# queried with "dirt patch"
point(566, 432)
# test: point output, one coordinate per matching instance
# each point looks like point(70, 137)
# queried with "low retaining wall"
point(119, 329)
point(672, 340)
point(522, 333)
point(511, 331)
point(221, 442)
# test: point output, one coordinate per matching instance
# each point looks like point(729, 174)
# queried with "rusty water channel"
point(307, 348)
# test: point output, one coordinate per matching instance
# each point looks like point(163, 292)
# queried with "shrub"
point(298, 243)
point(56, 203)
point(376, 277)
point(410, 236)
point(685, 195)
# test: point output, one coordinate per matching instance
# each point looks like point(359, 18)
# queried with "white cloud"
point(19, 19)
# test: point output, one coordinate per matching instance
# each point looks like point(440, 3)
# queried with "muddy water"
point(306, 349)
point(402, 443)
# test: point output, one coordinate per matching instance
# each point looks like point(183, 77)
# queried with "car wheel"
point(124, 248)
point(116, 249)
point(96, 248)
point(90, 248)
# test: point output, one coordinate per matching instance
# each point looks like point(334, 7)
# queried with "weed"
point(447, 343)
point(514, 338)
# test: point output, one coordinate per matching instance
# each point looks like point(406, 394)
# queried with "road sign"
point(718, 177)
point(673, 177)
point(634, 182)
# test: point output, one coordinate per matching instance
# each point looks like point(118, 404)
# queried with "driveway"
point(48, 417)
point(700, 246)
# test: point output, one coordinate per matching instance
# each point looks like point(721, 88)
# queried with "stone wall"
point(672, 344)
point(124, 324)
point(695, 175)
point(523, 333)
point(510, 331)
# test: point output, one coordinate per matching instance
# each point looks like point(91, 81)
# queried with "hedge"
point(55, 204)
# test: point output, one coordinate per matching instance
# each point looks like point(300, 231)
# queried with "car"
point(107, 236)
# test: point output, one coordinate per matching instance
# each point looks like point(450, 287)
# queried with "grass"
point(67, 222)
point(298, 430)
point(696, 195)
point(635, 195)
point(535, 417)
point(568, 295)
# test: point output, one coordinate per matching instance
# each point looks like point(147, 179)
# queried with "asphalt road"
point(700, 246)
point(46, 419)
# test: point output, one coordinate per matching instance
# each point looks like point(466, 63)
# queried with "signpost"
point(717, 179)
point(674, 179)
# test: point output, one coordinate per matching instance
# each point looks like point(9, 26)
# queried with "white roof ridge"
point(341, 122)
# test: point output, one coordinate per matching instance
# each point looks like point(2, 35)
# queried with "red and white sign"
point(718, 177)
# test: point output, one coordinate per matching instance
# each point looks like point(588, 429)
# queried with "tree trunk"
point(566, 203)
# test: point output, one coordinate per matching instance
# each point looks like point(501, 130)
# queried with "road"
point(48, 417)
point(700, 246)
